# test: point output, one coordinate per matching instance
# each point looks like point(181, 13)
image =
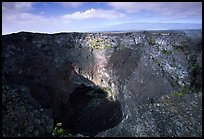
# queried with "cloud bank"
point(19, 16)
point(93, 13)
point(79, 16)
point(171, 9)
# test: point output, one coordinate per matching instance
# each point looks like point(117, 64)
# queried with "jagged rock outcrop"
point(151, 81)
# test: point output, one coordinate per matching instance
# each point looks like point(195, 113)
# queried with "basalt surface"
point(102, 84)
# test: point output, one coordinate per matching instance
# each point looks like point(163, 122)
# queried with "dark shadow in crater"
point(90, 112)
point(47, 69)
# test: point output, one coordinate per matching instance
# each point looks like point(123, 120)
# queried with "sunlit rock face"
point(151, 81)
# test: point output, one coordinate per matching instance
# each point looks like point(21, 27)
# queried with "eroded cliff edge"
point(103, 84)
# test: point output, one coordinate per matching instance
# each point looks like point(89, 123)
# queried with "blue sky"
point(53, 17)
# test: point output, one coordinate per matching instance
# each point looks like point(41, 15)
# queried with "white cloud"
point(71, 4)
point(16, 7)
point(19, 12)
point(133, 7)
point(172, 9)
point(93, 13)
point(18, 16)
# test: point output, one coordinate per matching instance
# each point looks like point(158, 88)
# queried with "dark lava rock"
point(62, 74)
point(170, 116)
point(22, 115)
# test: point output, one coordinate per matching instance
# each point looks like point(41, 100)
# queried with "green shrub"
point(107, 46)
point(152, 41)
point(58, 131)
point(122, 45)
point(99, 43)
point(195, 66)
point(166, 52)
point(158, 62)
point(183, 90)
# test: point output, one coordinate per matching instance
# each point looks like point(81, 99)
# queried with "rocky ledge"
point(103, 84)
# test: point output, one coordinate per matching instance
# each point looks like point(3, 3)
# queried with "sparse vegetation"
point(99, 43)
point(173, 63)
point(157, 46)
point(110, 93)
point(152, 41)
point(107, 46)
point(195, 81)
point(166, 52)
point(175, 47)
point(180, 94)
point(175, 83)
point(58, 131)
point(195, 66)
point(182, 90)
point(174, 60)
point(122, 45)
point(158, 62)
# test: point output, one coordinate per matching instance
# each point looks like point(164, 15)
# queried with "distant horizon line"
point(159, 22)
point(113, 31)
point(107, 28)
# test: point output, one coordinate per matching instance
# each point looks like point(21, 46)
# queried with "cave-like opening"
point(90, 112)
